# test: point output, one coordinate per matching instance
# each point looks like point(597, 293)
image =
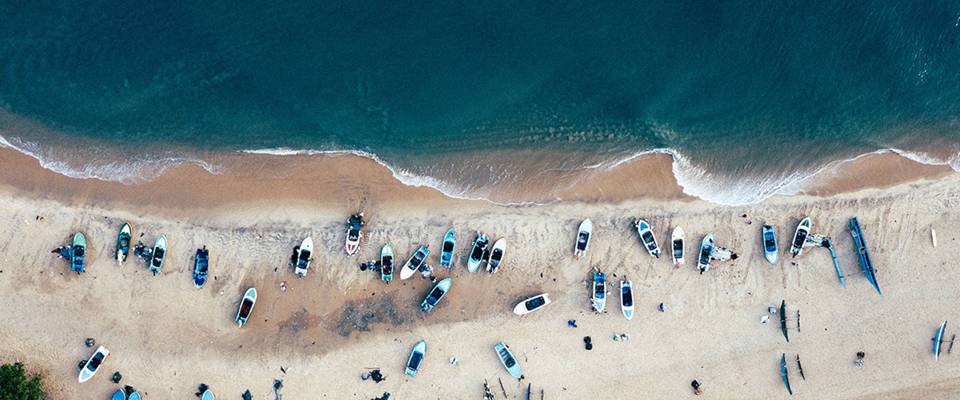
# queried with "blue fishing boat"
point(416, 358)
point(449, 244)
point(201, 264)
point(508, 360)
point(866, 263)
point(79, 251)
point(770, 250)
point(436, 294)
point(783, 373)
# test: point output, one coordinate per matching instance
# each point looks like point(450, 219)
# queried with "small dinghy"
point(354, 233)
point(123, 242)
point(246, 306)
point(134, 396)
point(207, 395)
point(436, 294)
point(120, 394)
point(496, 255)
point(800, 236)
point(159, 254)
point(532, 304)
point(386, 263)
point(646, 237)
point(449, 244)
point(626, 298)
point(677, 239)
point(414, 262)
point(706, 251)
point(201, 264)
point(93, 364)
point(770, 250)
point(416, 358)
point(78, 249)
point(508, 360)
point(304, 256)
point(478, 252)
point(599, 293)
point(583, 238)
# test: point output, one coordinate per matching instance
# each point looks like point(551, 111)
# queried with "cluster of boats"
point(509, 362)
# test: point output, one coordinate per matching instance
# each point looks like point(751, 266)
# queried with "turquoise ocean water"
point(749, 97)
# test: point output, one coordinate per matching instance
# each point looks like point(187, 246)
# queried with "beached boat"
point(449, 245)
point(496, 255)
point(158, 255)
point(677, 241)
point(207, 395)
point(938, 340)
point(800, 236)
point(478, 252)
point(532, 304)
point(599, 292)
point(93, 364)
point(770, 251)
point(508, 360)
point(416, 358)
point(583, 238)
point(134, 396)
point(78, 252)
point(354, 233)
point(246, 306)
point(626, 298)
point(706, 251)
point(201, 265)
point(863, 255)
point(120, 394)
point(123, 242)
point(304, 256)
point(783, 373)
point(436, 294)
point(386, 263)
point(414, 262)
point(647, 238)
point(783, 320)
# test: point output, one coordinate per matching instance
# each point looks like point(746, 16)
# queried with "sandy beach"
point(324, 330)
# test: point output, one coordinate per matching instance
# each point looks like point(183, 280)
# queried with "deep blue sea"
point(749, 97)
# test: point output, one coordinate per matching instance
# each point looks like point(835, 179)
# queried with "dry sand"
point(166, 337)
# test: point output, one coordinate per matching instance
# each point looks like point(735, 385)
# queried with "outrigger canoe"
point(783, 320)
point(866, 263)
point(449, 245)
point(78, 249)
point(508, 360)
point(800, 236)
point(532, 304)
point(416, 358)
point(647, 238)
point(123, 242)
point(769, 237)
point(436, 294)
point(93, 364)
point(938, 339)
point(386, 263)
point(158, 255)
point(583, 238)
point(783, 373)
point(246, 306)
point(414, 262)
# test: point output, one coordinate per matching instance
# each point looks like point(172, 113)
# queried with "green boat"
point(123, 242)
point(78, 252)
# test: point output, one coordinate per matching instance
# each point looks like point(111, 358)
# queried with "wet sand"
point(326, 329)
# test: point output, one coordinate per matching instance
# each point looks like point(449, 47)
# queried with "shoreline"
point(167, 337)
point(352, 178)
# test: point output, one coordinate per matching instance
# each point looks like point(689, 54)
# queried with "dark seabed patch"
point(360, 315)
